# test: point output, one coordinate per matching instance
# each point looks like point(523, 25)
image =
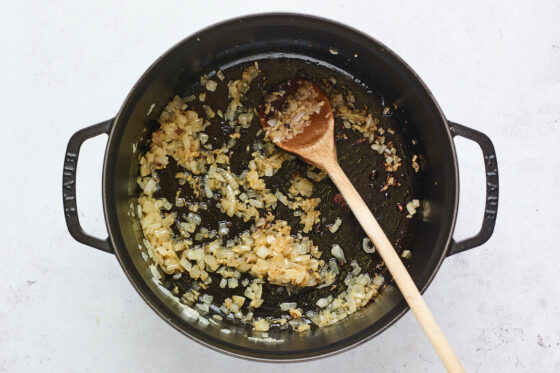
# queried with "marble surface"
point(493, 66)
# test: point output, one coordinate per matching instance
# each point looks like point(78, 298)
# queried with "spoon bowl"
point(316, 143)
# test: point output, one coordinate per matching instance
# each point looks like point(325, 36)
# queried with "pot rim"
point(221, 346)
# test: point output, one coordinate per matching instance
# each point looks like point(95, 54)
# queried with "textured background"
point(67, 64)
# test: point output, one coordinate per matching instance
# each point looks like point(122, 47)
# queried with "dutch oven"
point(241, 39)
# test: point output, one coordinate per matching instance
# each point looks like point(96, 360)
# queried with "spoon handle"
point(394, 264)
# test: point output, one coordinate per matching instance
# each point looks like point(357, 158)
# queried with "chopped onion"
point(211, 85)
point(180, 202)
point(150, 187)
point(378, 280)
point(281, 197)
point(410, 208)
point(206, 298)
point(232, 283)
point(366, 246)
point(356, 268)
point(268, 171)
point(323, 302)
point(245, 118)
point(261, 325)
point(223, 228)
point(190, 313)
point(333, 228)
point(207, 191)
point(239, 300)
point(287, 306)
point(333, 266)
point(202, 308)
point(337, 252)
point(155, 272)
point(223, 283)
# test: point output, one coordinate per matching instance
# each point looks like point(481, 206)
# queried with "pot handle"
point(491, 207)
point(69, 186)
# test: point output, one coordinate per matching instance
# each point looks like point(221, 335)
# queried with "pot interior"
point(260, 37)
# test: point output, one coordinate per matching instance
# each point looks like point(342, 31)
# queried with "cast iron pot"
point(242, 39)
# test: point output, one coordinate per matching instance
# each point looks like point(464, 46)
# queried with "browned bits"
point(389, 181)
point(339, 200)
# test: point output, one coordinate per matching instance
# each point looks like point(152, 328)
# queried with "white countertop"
point(66, 65)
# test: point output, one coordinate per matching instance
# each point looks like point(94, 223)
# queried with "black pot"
point(362, 57)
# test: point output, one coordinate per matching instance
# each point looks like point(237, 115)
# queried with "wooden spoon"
point(316, 146)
